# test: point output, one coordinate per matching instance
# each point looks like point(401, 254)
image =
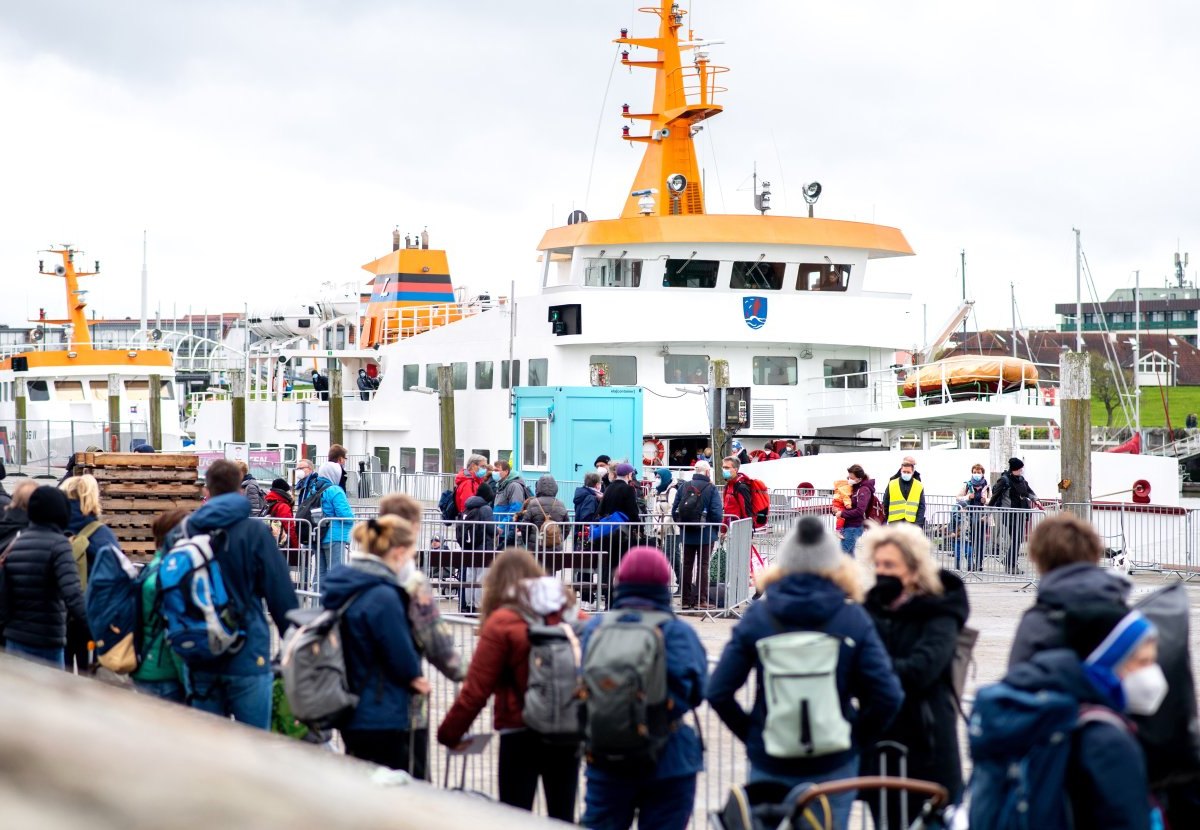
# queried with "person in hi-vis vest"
point(904, 497)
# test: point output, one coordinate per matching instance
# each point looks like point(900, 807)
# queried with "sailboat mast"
point(1137, 351)
point(145, 289)
point(1078, 293)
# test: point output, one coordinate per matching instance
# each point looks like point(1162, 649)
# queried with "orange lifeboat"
point(968, 376)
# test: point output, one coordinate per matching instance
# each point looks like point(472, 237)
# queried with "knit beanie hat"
point(811, 549)
point(49, 506)
point(281, 485)
point(1015, 464)
point(644, 566)
point(1105, 635)
point(664, 478)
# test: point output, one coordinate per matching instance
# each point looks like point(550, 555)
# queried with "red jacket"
point(738, 498)
point(465, 486)
point(500, 667)
point(279, 506)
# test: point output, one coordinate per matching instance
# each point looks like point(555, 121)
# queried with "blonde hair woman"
point(89, 536)
point(919, 610)
point(814, 588)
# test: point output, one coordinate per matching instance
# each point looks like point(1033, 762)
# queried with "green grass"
point(1180, 399)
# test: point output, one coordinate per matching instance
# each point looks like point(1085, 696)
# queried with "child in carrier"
point(842, 491)
point(813, 643)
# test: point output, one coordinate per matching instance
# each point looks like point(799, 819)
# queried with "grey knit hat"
point(811, 549)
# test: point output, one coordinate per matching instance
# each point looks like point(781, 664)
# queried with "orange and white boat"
point(58, 396)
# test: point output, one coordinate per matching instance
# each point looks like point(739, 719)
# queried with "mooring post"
point(446, 405)
point(114, 413)
point(1003, 446)
point(335, 402)
point(1075, 403)
point(237, 404)
point(155, 436)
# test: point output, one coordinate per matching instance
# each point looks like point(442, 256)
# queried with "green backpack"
point(79, 546)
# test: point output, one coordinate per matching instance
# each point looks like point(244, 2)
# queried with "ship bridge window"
point(613, 370)
point(484, 374)
point(763, 276)
point(685, 368)
point(408, 459)
point(68, 390)
point(459, 372)
point(99, 389)
point(137, 390)
point(538, 366)
point(822, 277)
point(691, 273)
point(774, 371)
point(430, 461)
point(845, 374)
point(612, 273)
point(412, 377)
point(38, 390)
point(504, 374)
point(164, 390)
point(535, 444)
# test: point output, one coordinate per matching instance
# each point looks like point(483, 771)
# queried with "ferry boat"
point(652, 298)
point(55, 398)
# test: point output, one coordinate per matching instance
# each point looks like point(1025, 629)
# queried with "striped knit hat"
point(1105, 636)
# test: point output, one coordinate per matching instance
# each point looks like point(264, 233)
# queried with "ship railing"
point(403, 322)
point(41, 447)
point(882, 390)
point(10, 349)
point(697, 84)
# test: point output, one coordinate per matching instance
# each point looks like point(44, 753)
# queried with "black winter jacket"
point(1012, 491)
point(920, 636)
point(11, 521)
point(1041, 627)
point(620, 497)
point(41, 585)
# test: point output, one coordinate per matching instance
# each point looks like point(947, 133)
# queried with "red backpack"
point(875, 511)
point(760, 502)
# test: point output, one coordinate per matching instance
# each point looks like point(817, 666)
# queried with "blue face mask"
point(976, 477)
point(726, 474)
point(906, 476)
point(481, 472)
point(496, 476)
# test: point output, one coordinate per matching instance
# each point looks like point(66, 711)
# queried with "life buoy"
point(652, 452)
point(1141, 491)
point(805, 490)
point(1049, 395)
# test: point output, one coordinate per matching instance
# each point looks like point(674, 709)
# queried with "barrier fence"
point(40, 446)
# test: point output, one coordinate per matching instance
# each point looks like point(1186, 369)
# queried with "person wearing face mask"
point(602, 465)
point(862, 490)
point(466, 483)
point(919, 611)
point(1107, 670)
point(904, 497)
point(974, 497)
point(382, 664)
point(1012, 491)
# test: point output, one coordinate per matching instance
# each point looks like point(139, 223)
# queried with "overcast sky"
point(269, 147)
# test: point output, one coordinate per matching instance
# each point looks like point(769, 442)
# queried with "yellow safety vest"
point(900, 509)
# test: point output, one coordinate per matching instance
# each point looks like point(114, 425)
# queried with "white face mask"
point(1144, 690)
point(906, 476)
point(406, 571)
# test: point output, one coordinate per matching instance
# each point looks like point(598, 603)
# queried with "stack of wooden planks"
point(136, 487)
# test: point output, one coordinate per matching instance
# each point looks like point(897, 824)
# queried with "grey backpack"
point(626, 706)
point(314, 667)
point(553, 707)
point(804, 709)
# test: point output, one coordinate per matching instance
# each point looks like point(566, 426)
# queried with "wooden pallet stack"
point(136, 487)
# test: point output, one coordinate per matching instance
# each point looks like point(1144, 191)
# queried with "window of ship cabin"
point(483, 374)
point(430, 461)
point(38, 390)
point(99, 389)
point(613, 370)
point(485, 453)
point(504, 373)
point(504, 455)
point(538, 366)
point(761, 276)
point(460, 459)
point(137, 390)
point(612, 273)
point(691, 273)
point(412, 376)
point(164, 390)
point(459, 372)
point(774, 371)
point(845, 374)
point(535, 444)
point(822, 277)
point(431, 372)
point(68, 390)
point(408, 459)
point(685, 368)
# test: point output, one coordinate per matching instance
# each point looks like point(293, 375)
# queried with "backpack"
point(309, 511)
point(695, 496)
point(448, 506)
point(960, 664)
point(313, 665)
point(875, 511)
point(114, 604)
point(79, 547)
point(201, 620)
point(1021, 746)
point(804, 709)
point(760, 502)
point(626, 705)
point(552, 705)
point(258, 501)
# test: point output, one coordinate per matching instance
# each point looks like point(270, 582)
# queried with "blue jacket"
point(713, 512)
point(805, 602)
point(1106, 776)
point(253, 570)
point(381, 660)
point(687, 671)
point(98, 541)
point(587, 504)
point(335, 505)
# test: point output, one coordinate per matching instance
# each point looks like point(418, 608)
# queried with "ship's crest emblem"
point(754, 309)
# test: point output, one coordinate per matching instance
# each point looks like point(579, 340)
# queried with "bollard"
point(1075, 402)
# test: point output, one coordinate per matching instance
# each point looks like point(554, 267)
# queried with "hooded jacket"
point(806, 602)
point(465, 486)
point(42, 585)
point(511, 493)
point(381, 659)
point(710, 513)
point(1070, 586)
point(475, 530)
point(253, 571)
point(544, 505)
point(587, 504)
point(1012, 491)
point(920, 636)
point(335, 505)
point(280, 506)
point(101, 537)
point(1106, 776)
point(860, 497)
point(253, 492)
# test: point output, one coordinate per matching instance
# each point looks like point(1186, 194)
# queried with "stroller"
point(768, 805)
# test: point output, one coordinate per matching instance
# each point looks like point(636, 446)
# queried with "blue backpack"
point(1021, 746)
point(114, 604)
point(447, 506)
point(202, 622)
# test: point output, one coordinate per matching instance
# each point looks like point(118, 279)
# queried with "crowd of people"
point(853, 647)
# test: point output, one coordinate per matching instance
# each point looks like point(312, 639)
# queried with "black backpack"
point(693, 498)
point(309, 509)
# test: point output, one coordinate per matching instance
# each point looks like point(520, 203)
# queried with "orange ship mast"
point(683, 97)
point(80, 334)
